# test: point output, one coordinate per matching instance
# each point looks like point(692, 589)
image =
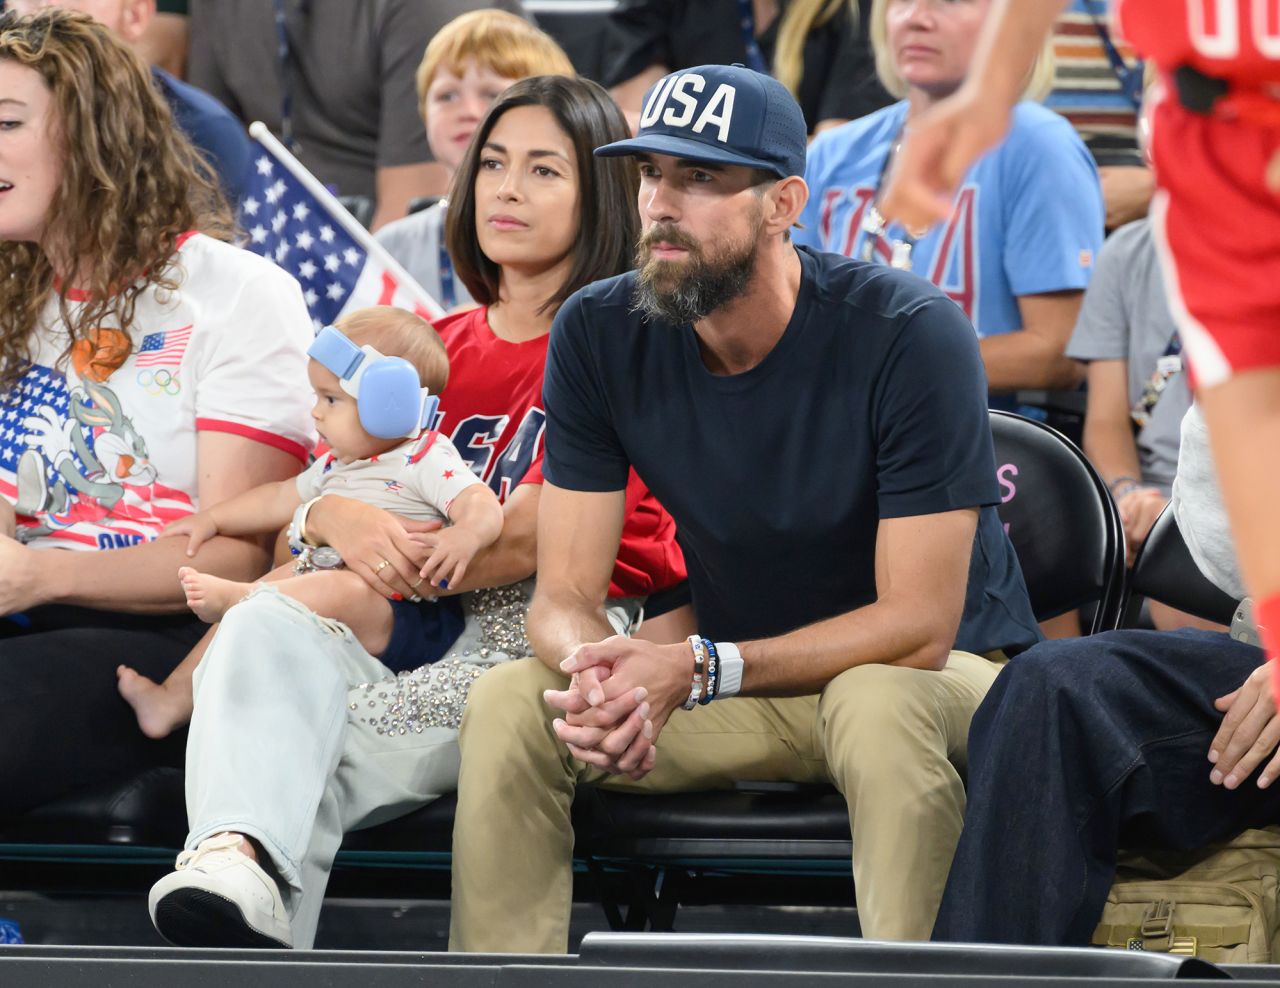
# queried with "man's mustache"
point(668, 233)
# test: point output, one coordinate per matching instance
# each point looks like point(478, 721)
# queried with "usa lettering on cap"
point(675, 105)
point(690, 114)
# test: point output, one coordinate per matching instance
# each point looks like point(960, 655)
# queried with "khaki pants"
point(892, 740)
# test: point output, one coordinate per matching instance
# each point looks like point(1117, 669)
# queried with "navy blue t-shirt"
point(212, 128)
point(872, 405)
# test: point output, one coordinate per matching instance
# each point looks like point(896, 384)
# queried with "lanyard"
point(1169, 364)
point(447, 299)
point(286, 75)
point(747, 21)
point(1130, 79)
point(873, 223)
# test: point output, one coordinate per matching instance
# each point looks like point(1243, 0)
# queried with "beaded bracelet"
point(1123, 485)
point(699, 660)
point(713, 671)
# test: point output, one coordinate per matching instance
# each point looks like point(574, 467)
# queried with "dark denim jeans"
point(1081, 747)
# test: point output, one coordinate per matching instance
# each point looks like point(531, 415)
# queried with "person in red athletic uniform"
point(1215, 143)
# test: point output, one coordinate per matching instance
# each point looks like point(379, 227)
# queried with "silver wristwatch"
point(314, 558)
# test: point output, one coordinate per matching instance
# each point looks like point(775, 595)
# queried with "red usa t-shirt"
point(1229, 39)
point(492, 411)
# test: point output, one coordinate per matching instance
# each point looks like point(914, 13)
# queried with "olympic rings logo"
point(159, 382)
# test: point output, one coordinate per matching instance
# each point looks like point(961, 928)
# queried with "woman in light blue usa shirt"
point(1027, 222)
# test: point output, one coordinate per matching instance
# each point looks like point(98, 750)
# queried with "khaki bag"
point(1221, 903)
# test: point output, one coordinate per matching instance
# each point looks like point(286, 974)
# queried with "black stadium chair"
point(361, 207)
point(758, 843)
point(418, 203)
point(1061, 519)
point(1164, 571)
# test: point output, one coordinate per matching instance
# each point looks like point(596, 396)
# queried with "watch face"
point(326, 557)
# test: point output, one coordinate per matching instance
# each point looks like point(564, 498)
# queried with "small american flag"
point(164, 349)
point(293, 220)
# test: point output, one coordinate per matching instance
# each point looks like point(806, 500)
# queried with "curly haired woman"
point(147, 368)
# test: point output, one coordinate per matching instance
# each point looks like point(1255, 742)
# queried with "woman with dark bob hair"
point(533, 217)
point(147, 368)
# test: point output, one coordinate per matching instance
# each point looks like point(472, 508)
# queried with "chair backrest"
point(1063, 524)
point(1165, 571)
point(361, 207)
point(418, 203)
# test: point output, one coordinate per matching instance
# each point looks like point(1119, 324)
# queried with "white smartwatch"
point(730, 670)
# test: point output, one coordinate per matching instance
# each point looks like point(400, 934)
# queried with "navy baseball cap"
point(724, 114)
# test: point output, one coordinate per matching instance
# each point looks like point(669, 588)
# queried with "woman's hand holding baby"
point(366, 536)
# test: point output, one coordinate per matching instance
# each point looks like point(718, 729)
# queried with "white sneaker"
point(219, 897)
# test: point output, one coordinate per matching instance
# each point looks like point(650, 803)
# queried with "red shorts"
point(1218, 227)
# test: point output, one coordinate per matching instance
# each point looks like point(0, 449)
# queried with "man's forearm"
point(887, 632)
point(557, 626)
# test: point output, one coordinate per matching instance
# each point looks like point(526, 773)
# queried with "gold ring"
point(415, 586)
point(381, 566)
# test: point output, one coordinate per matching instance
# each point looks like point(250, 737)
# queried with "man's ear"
point(784, 204)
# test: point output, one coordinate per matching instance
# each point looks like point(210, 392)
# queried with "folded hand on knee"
point(622, 693)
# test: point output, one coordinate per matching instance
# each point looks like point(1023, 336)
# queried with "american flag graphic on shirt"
point(77, 475)
point(164, 349)
point(42, 388)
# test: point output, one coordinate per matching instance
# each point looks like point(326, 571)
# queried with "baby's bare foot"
point(210, 596)
point(160, 709)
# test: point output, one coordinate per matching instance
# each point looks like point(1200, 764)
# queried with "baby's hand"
point(447, 564)
point(200, 527)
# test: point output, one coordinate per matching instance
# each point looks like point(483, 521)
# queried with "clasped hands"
point(620, 695)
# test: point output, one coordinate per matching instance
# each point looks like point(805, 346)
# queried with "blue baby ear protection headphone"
point(388, 397)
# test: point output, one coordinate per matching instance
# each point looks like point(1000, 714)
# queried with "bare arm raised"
point(941, 146)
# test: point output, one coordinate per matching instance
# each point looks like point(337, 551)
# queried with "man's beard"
point(683, 293)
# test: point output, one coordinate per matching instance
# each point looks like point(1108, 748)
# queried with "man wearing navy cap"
point(818, 428)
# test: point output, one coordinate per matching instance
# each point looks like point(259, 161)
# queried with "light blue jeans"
point(300, 736)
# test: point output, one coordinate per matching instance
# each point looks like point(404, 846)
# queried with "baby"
point(374, 375)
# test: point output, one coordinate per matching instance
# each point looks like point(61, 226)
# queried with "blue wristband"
point(713, 671)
